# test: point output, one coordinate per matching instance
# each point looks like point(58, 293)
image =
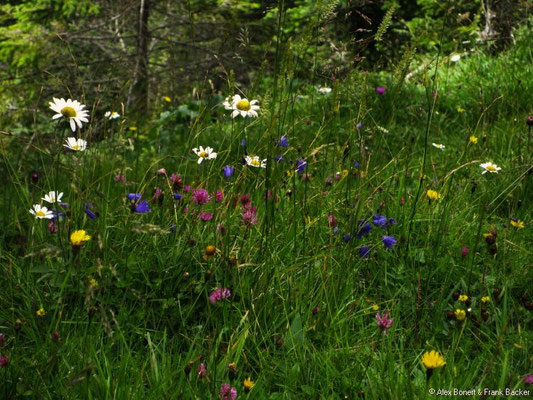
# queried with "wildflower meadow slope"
point(369, 237)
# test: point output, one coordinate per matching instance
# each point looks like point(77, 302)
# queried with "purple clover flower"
point(383, 322)
point(219, 294)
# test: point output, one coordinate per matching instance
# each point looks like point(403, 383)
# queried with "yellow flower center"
point(68, 112)
point(40, 213)
point(203, 154)
point(491, 168)
point(244, 105)
point(76, 147)
point(256, 163)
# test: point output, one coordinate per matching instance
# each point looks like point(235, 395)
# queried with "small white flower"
point(111, 115)
point(241, 106)
point(207, 153)
point(438, 146)
point(41, 212)
point(52, 197)
point(382, 129)
point(75, 144)
point(255, 161)
point(455, 57)
point(72, 110)
point(489, 167)
point(324, 90)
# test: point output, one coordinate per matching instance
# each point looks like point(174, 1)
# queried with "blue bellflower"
point(389, 241)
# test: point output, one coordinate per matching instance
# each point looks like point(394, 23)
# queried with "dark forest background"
point(128, 54)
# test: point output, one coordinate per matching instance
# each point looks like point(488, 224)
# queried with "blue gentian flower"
point(134, 196)
point(279, 158)
point(89, 212)
point(364, 252)
point(356, 164)
point(359, 125)
point(228, 171)
point(336, 230)
point(142, 207)
point(364, 230)
point(243, 143)
point(346, 238)
point(301, 165)
point(57, 214)
point(177, 196)
point(389, 241)
point(379, 220)
point(284, 141)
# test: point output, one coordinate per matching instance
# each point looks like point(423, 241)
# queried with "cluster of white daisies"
point(41, 212)
point(238, 106)
point(74, 112)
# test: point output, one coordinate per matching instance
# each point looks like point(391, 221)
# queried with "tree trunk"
point(138, 98)
point(500, 17)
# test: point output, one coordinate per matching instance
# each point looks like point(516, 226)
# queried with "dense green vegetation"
point(370, 194)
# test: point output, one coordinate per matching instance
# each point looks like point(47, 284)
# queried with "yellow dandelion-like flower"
point(433, 195)
point(248, 384)
point(167, 99)
point(433, 359)
point(485, 299)
point(79, 237)
point(463, 298)
point(41, 312)
point(472, 140)
point(375, 307)
point(460, 109)
point(93, 283)
point(517, 223)
point(460, 315)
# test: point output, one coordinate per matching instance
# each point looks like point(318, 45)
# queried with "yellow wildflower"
point(79, 237)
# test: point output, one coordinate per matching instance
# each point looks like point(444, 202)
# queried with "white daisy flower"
point(324, 90)
point(76, 144)
point(207, 153)
point(455, 57)
point(255, 161)
point(52, 197)
point(72, 110)
point(41, 212)
point(489, 167)
point(438, 146)
point(111, 115)
point(241, 106)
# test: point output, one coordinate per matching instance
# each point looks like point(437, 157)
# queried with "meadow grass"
point(128, 315)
